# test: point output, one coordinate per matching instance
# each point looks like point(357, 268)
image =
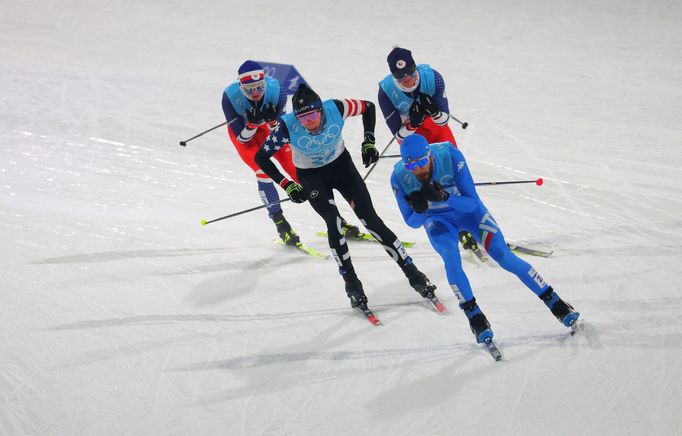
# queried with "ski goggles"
point(309, 117)
point(256, 88)
point(421, 162)
point(407, 72)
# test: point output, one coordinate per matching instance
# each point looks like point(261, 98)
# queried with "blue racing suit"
point(462, 211)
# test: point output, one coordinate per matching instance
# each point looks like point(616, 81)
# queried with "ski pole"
point(538, 182)
point(184, 143)
point(380, 156)
point(204, 222)
point(463, 124)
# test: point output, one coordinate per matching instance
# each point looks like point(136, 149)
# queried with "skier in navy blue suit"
point(434, 189)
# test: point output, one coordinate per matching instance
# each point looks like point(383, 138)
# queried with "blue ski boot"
point(480, 326)
point(563, 311)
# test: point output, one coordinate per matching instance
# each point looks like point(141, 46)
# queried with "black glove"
point(294, 191)
point(254, 115)
point(370, 154)
point(428, 104)
point(270, 113)
point(417, 201)
point(434, 192)
point(417, 114)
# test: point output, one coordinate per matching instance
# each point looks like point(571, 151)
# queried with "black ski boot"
point(349, 230)
point(479, 324)
point(467, 240)
point(418, 281)
point(563, 311)
point(354, 290)
point(286, 233)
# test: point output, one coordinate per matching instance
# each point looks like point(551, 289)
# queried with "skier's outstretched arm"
point(350, 107)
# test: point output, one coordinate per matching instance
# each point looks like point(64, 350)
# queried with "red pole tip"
point(539, 181)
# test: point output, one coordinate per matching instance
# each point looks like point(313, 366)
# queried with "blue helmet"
point(414, 147)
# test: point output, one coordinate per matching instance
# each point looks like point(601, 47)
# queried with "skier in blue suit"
point(434, 189)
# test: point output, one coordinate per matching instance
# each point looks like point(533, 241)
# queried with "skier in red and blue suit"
point(251, 105)
point(412, 99)
point(434, 189)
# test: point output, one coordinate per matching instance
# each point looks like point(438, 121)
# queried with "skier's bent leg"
point(498, 250)
point(268, 194)
point(443, 238)
point(356, 194)
point(325, 206)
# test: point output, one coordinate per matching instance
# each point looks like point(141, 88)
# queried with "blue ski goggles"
point(421, 162)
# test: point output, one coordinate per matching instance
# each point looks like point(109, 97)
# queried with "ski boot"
point(419, 281)
point(349, 230)
point(563, 311)
point(286, 233)
point(479, 324)
point(354, 290)
point(467, 240)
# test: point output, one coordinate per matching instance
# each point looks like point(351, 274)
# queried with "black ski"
point(529, 251)
point(479, 253)
point(436, 303)
point(367, 313)
point(492, 349)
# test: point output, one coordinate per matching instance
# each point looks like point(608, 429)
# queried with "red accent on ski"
point(440, 307)
point(374, 320)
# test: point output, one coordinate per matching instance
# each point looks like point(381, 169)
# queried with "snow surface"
point(120, 314)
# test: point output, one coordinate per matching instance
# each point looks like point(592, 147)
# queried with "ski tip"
point(440, 307)
point(374, 320)
point(576, 327)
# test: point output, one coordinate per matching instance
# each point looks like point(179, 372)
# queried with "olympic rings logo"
point(323, 140)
